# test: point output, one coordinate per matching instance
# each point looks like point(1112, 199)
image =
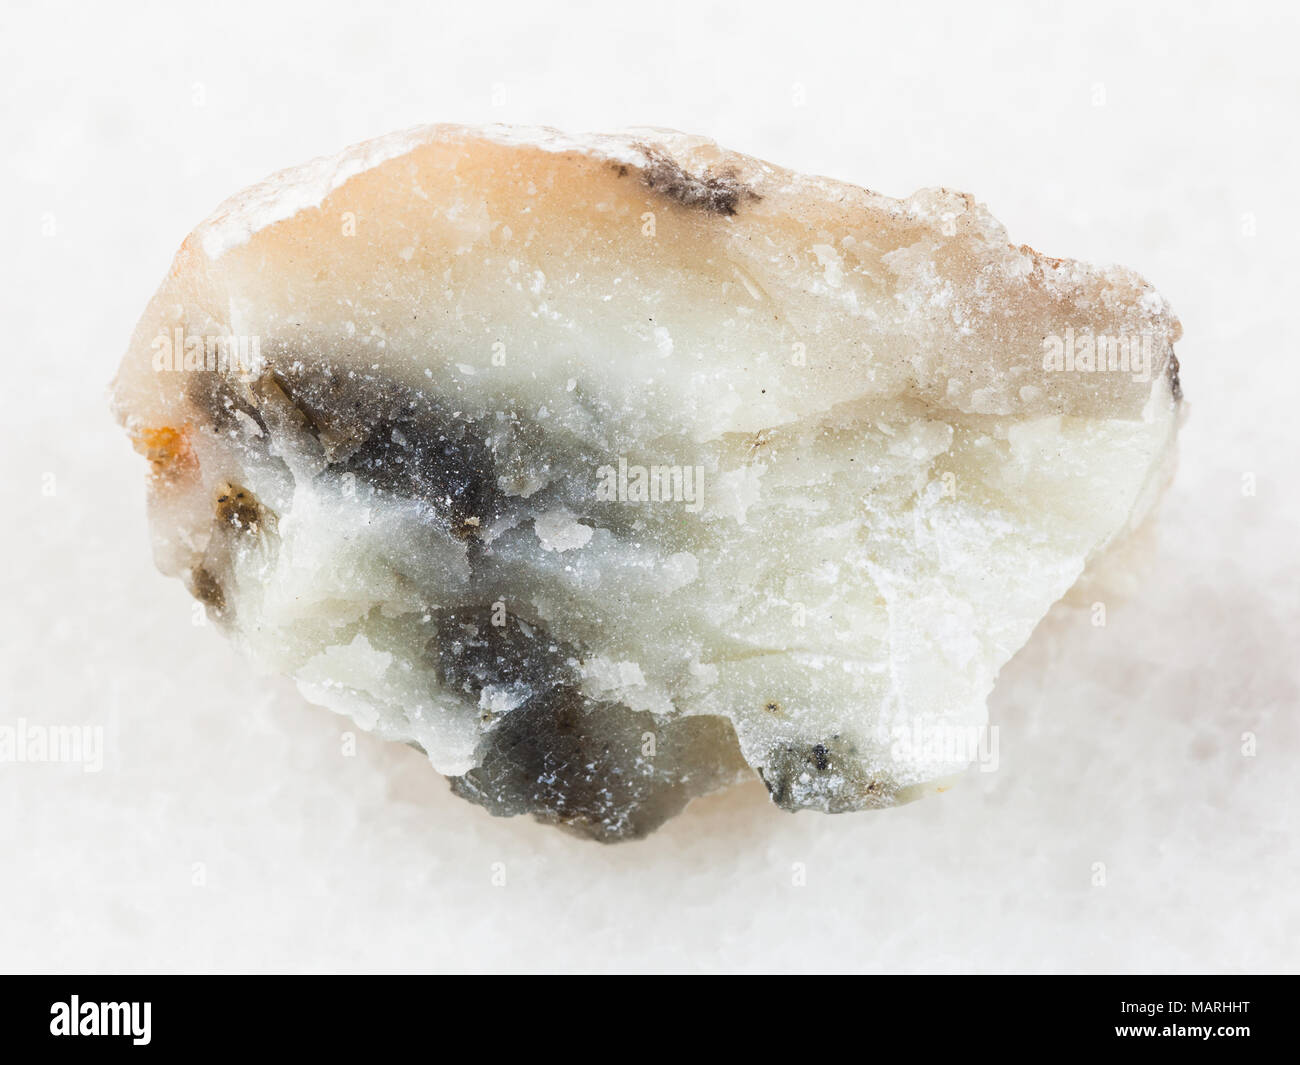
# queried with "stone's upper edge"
point(616, 147)
point(289, 192)
point(299, 188)
point(286, 192)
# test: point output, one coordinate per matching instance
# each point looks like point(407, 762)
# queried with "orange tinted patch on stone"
point(167, 449)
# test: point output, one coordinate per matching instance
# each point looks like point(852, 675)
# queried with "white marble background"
point(1166, 141)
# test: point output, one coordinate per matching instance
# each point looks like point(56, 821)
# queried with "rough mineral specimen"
point(611, 470)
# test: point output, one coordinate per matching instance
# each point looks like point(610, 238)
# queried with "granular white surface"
point(229, 830)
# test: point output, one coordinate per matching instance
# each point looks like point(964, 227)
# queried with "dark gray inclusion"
point(820, 776)
point(595, 768)
point(598, 769)
point(450, 466)
point(712, 193)
point(397, 440)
